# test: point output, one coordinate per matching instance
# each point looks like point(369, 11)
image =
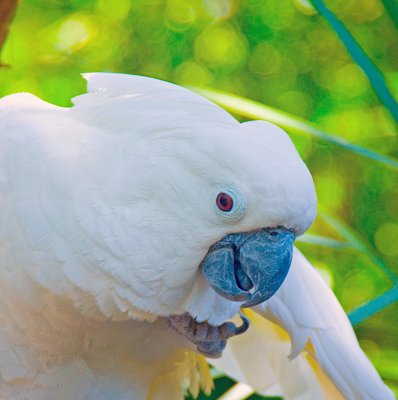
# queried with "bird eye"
point(224, 202)
point(230, 202)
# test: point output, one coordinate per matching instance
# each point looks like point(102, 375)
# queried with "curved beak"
point(249, 266)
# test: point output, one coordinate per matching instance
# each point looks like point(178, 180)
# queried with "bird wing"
point(306, 308)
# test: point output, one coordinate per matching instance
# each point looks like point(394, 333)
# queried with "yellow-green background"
point(280, 53)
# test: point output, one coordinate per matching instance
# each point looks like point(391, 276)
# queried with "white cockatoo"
point(135, 228)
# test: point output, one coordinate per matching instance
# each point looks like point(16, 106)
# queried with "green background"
point(281, 53)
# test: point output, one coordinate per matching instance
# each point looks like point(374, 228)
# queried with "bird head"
point(190, 193)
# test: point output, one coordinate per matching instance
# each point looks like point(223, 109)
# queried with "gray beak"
point(249, 266)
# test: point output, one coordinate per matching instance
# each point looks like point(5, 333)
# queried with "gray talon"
point(245, 325)
point(210, 340)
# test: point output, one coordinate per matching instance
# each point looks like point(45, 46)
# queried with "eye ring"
point(229, 203)
point(224, 202)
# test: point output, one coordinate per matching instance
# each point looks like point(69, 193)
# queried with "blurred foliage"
point(282, 54)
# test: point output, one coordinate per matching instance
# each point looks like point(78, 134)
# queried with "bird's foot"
point(209, 340)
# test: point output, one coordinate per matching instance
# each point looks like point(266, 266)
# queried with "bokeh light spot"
point(296, 102)
point(265, 60)
point(305, 7)
point(219, 9)
point(190, 72)
point(73, 34)
point(330, 190)
point(358, 279)
point(221, 46)
point(179, 15)
point(386, 239)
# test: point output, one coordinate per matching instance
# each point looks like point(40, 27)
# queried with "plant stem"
point(373, 306)
point(359, 56)
point(253, 109)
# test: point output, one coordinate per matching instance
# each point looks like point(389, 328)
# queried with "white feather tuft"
point(307, 309)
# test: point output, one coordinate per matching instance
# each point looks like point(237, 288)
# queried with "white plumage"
point(107, 211)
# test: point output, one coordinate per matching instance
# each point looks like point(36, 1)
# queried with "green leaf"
point(252, 109)
point(324, 241)
point(391, 6)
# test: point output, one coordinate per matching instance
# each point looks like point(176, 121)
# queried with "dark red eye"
point(224, 202)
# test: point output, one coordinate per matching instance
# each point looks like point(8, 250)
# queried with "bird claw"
point(210, 340)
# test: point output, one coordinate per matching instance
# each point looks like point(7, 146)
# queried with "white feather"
point(308, 310)
point(108, 208)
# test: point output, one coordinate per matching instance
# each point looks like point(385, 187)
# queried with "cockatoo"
point(136, 226)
